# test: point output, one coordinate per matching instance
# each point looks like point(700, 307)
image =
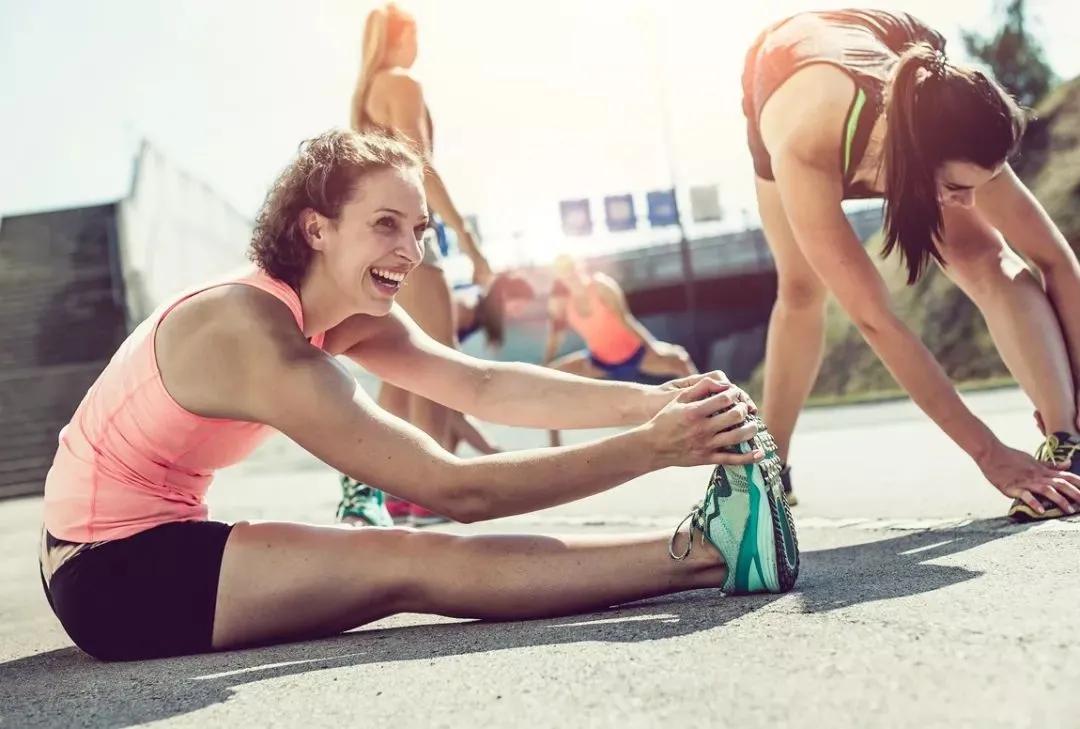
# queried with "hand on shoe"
point(1020, 476)
point(717, 376)
point(701, 421)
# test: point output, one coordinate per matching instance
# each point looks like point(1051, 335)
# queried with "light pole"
point(689, 288)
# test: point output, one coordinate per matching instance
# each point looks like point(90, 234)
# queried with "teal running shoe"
point(746, 517)
point(362, 504)
point(1058, 449)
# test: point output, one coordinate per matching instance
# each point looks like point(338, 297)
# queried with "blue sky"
point(533, 101)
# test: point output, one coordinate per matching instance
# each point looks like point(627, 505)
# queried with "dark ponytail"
point(937, 112)
point(491, 307)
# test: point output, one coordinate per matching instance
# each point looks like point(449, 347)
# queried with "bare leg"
point(674, 364)
point(427, 299)
point(795, 344)
point(1017, 311)
point(576, 363)
point(284, 581)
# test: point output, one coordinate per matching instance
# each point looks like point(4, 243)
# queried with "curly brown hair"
point(323, 177)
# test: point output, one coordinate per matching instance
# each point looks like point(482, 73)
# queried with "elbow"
point(468, 508)
point(1058, 270)
point(465, 503)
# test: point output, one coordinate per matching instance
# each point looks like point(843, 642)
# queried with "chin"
point(378, 307)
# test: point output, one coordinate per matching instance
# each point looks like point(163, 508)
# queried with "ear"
point(312, 226)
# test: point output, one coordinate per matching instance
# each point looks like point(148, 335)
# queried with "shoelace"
point(1054, 450)
point(355, 494)
point(695, 518)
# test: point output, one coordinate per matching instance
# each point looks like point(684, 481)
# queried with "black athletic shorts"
point(149, 595)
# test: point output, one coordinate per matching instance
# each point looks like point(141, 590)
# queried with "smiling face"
point(369, 250)
point(957, 181)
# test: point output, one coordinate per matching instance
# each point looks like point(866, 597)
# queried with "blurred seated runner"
point(134, 568)
point(617, 345)
point(475, 310)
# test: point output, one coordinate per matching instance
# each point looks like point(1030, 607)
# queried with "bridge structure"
point(713, 295)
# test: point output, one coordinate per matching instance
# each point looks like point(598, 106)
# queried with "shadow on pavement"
point(66, 687)
point(832, 579)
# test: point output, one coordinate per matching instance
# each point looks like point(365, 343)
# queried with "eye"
point(419, 231)
point(387, 222)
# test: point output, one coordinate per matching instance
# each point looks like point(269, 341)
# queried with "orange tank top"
point(132, 457)
point(606, 335)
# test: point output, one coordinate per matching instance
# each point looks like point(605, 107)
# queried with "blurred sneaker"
point(362, 504)
point(785, 480)
point(400, 510)
point(419, 516)
point(1058, 449)
point(745, 516)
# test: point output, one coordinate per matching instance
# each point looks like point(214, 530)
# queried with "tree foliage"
point(1015, 55)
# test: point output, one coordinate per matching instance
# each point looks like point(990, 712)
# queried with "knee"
point(680, 358)
point(982, 272)
point(408, 581)
point(801, 293)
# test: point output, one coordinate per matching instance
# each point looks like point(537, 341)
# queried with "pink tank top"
point(132, 458)
point(607, 337)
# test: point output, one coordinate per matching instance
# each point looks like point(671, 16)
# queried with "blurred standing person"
point(389, 97)
point(864, 104)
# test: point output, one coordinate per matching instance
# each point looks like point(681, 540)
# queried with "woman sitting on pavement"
point(134, 568)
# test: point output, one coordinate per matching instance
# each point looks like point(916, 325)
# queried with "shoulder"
point(805, 116)
point(397, 81)
point(222, 351)
point(607, 287)
point(237, 319)
point(605, 281)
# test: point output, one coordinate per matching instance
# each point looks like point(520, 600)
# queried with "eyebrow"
point(424, 220)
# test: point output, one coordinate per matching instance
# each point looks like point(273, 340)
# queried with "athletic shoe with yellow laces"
point(745, 516)
point(1058, 449)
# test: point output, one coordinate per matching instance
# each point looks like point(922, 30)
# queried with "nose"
point(412, 249)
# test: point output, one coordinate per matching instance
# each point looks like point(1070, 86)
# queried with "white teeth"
point(392, 275)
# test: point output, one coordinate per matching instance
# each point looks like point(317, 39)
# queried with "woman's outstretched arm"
point(267, 372)
point(395, 349)
point(1011, 208)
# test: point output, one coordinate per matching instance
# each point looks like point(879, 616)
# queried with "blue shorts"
point(626, 371)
